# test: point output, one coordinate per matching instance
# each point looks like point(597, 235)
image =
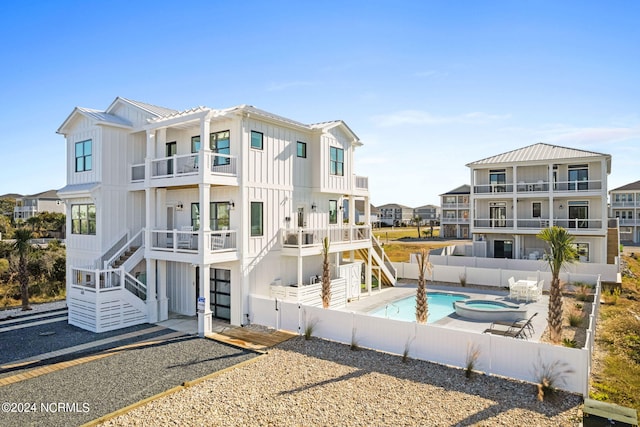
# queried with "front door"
point(503, 249)
point(220, 293)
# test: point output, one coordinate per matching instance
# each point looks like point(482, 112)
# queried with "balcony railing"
point(314, 237)
point(185, 165)
point(455, 206)
point(454, 220)
point(493, 188)
point(537, 223)
point(493, 223)
point(361, 182)
point(188, 241)
point(628, 221)
point(539, 186)
point(579, 223)
point(627, 204)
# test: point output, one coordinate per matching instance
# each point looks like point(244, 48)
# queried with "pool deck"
point(405, 289)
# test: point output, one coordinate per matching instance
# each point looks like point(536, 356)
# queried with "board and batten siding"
point(181, 288)
point(84, 129)
point(334, 183)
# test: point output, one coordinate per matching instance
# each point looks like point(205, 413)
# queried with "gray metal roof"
point(538, 152)
point(101, 116)
point(634, 186)
point(153, 109)
point(463, 189)
point(394, 206)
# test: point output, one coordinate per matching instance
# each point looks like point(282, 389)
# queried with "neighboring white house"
point(625, 205)
point(429, 214)
point(393, 214)
point(516, 194)
point(29, 206)
point(454, 219)
point(192, 211)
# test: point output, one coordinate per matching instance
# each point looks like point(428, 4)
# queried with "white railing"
point(625, 204)
point(185, 165)
point(377, 247)
point(493, 188)
point(493, 223)
point(136, 241)
point(577, 186)
point(137, 172)
point(304, 237)
point(629, 221)
point(112, 250)
point(361, 182)
point(455, 206)
point(222, 164)
point(224, 240)
point(589, 224)
point(188, 241)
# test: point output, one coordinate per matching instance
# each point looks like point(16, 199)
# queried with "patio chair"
point(536, 292)
point(517, 329)
point(217, 242)
point(515, 325)
point(184, 237)
point(513, 291)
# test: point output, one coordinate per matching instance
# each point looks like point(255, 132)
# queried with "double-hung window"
point(83, 153)
point(83, 219)
point(336, 161)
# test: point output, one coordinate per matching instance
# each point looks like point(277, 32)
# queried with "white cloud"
point(593, 135)
point(418, 117)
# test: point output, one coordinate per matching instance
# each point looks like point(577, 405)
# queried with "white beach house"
point(625, 206)
point(190, 212)
point(516, 194)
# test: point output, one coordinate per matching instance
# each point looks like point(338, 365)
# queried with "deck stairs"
point(379, 258)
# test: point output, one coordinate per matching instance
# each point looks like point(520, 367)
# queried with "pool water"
point(486, 305)
point(439, 305)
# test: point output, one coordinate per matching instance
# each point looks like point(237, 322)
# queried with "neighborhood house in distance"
point(192, 211)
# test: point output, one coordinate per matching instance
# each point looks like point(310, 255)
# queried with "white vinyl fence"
point(514, 358)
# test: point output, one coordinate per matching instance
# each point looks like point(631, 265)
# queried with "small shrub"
point(612, 297)
point(463, 279)
point(583, 292)
point(549, 376)
point(579, 306)
point(576, 319)
point(473, 353)
point(405, 353)
point(309, 327)
point(569, 343)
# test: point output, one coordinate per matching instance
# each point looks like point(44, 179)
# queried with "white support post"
point(204, 314)
point(163, 301)
point(152, 303)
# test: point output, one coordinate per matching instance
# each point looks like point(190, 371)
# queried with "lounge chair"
point(516, 329)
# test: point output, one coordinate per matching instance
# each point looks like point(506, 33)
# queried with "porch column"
point(205, 149)
point(204, 313)
point(514, 199)
point(367, 211)
point(300, 280)
point(150, 218)
point(152, 305)
point(204, 235)
point(163, 301)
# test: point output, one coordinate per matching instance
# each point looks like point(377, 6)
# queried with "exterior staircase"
point(379, 258)
point(106, 296)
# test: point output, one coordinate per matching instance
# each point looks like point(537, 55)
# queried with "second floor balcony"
point(537, 224)
point(539, 186)
point(307, 240)
point(176, 170)
point(186, 241)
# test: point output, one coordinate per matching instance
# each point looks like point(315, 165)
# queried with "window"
point(83, 156)
point(83, 219)
point(497, 179)
point(195, 216)
point(578, 214)
point(336, 165)
point(256, 140)
point(218, 216)
point(578, 174)
point(536, 208)
point(582, 251)
point(220, 143)
point(302, 149)
point(333, 211)
point(256, 219)
point(195, 144)
point(498, 215)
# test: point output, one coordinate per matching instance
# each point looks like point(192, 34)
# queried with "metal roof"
point(634, 186)
point(78, 188)
point(394, 206)
point(101, 116)
point(463, 189)
point(153, 109)
point(538, 152)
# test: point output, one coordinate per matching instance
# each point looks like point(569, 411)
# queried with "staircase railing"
point(377, 247)
point(137, 240)
point(100, 263)
point(135, 286)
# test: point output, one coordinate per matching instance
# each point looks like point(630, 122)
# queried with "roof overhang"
point(73, 191)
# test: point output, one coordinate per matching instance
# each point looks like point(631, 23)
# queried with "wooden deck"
point(251, 339)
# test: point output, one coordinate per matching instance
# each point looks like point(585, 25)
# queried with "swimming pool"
point(440, 305)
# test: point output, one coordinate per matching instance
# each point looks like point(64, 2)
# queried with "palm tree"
point(326, 274)
point(422, 309)
point(561, 252)
point(417, 219)
point(22, 246)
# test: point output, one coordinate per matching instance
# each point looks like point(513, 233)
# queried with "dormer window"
point(83, 155)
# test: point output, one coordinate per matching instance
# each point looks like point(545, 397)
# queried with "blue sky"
point(428, 86)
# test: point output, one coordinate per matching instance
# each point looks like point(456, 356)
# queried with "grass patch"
point(618, 379)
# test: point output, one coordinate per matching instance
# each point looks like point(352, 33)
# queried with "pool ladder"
point(386, 308)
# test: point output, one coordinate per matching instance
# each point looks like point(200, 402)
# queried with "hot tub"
point(489, 311)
